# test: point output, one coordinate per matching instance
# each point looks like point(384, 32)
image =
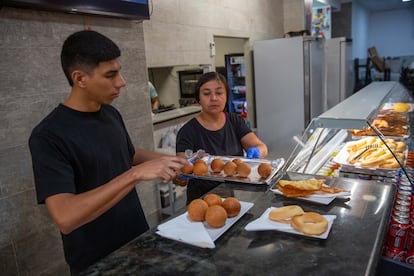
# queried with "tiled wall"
point(32, 83)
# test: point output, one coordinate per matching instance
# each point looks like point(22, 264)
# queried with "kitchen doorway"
point(230, 61)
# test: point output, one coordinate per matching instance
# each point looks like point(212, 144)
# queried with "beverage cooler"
point(236, 79)
point(369, 136)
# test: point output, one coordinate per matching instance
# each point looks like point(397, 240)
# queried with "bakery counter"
point(352, 247)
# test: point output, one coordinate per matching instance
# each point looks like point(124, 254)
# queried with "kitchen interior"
point(175, 88)
point(329, 77)
point(29, 242)
point(174, 84)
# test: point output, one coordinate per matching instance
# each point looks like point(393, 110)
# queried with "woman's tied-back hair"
point(84, 50)
point(209, 77)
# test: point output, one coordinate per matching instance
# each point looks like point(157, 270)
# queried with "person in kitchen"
point(215, 131)
point(155, 102)
point(85, 165)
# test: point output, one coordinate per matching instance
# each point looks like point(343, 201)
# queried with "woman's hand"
point(253, 152)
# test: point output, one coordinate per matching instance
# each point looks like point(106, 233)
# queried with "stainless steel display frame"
point(355, 112)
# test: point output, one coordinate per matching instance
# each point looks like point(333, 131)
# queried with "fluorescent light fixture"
point(406, 0)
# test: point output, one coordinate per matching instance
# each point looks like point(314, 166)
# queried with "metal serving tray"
point(346, 167)
point(253, 178)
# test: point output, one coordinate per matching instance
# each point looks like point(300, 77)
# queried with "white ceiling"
point(382, 5)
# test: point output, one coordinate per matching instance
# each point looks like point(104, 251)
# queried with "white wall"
point(360, 21)
point(227, 45)
point(392, 32)
point(179, 31)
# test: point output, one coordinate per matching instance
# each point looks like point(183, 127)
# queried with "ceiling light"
point(405, 0)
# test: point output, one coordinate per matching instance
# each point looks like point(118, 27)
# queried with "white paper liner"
point(264, 223)
point(199, 234)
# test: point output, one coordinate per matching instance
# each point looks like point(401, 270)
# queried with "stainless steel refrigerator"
point(297, 79)
point(288, 80)
point(339, 76)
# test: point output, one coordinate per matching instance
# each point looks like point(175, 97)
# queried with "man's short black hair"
point(85, 50)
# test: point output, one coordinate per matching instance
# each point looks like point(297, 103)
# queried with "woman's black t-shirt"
point(225, 142)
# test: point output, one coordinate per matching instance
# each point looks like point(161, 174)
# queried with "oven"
point(188, 80)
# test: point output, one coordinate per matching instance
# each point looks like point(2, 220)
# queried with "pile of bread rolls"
point(234, 167)
point(213, 209)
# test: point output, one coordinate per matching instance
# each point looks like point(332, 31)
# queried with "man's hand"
point(165, 168)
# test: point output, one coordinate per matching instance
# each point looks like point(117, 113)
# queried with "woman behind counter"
point(215, 131)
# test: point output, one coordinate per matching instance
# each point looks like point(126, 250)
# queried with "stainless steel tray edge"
point(277, 165)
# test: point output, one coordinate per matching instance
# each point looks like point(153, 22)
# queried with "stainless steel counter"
point(175, 113)
point(352, 247)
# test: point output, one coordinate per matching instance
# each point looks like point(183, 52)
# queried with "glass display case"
point(372, 123)
point(368, 136)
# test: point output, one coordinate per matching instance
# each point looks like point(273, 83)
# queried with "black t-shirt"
point(224, 142)
point(74, 152)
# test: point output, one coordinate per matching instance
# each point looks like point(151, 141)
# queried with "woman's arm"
point(251, 140)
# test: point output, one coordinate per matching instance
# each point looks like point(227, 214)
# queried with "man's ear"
point(79, 78)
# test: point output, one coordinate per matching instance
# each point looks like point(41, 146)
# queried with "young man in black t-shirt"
point(85, 166)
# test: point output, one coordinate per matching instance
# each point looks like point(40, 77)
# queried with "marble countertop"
point(353, 246)
point(175, 113)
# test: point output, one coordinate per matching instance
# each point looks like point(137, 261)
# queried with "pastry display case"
point(368, 136)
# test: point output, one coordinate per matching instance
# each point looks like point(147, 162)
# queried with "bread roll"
point(286, 213)
point(200, 161)
point(187, 169)
point(243, 169)
point(310, 223)
point(197, 209)
point(200, 168)
point(216, 216)
point(400, 107)
point(212, 199)
point(232, 206)
point(230, 168)
point(264, 170)
point(217, 165)
point(237, 160)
